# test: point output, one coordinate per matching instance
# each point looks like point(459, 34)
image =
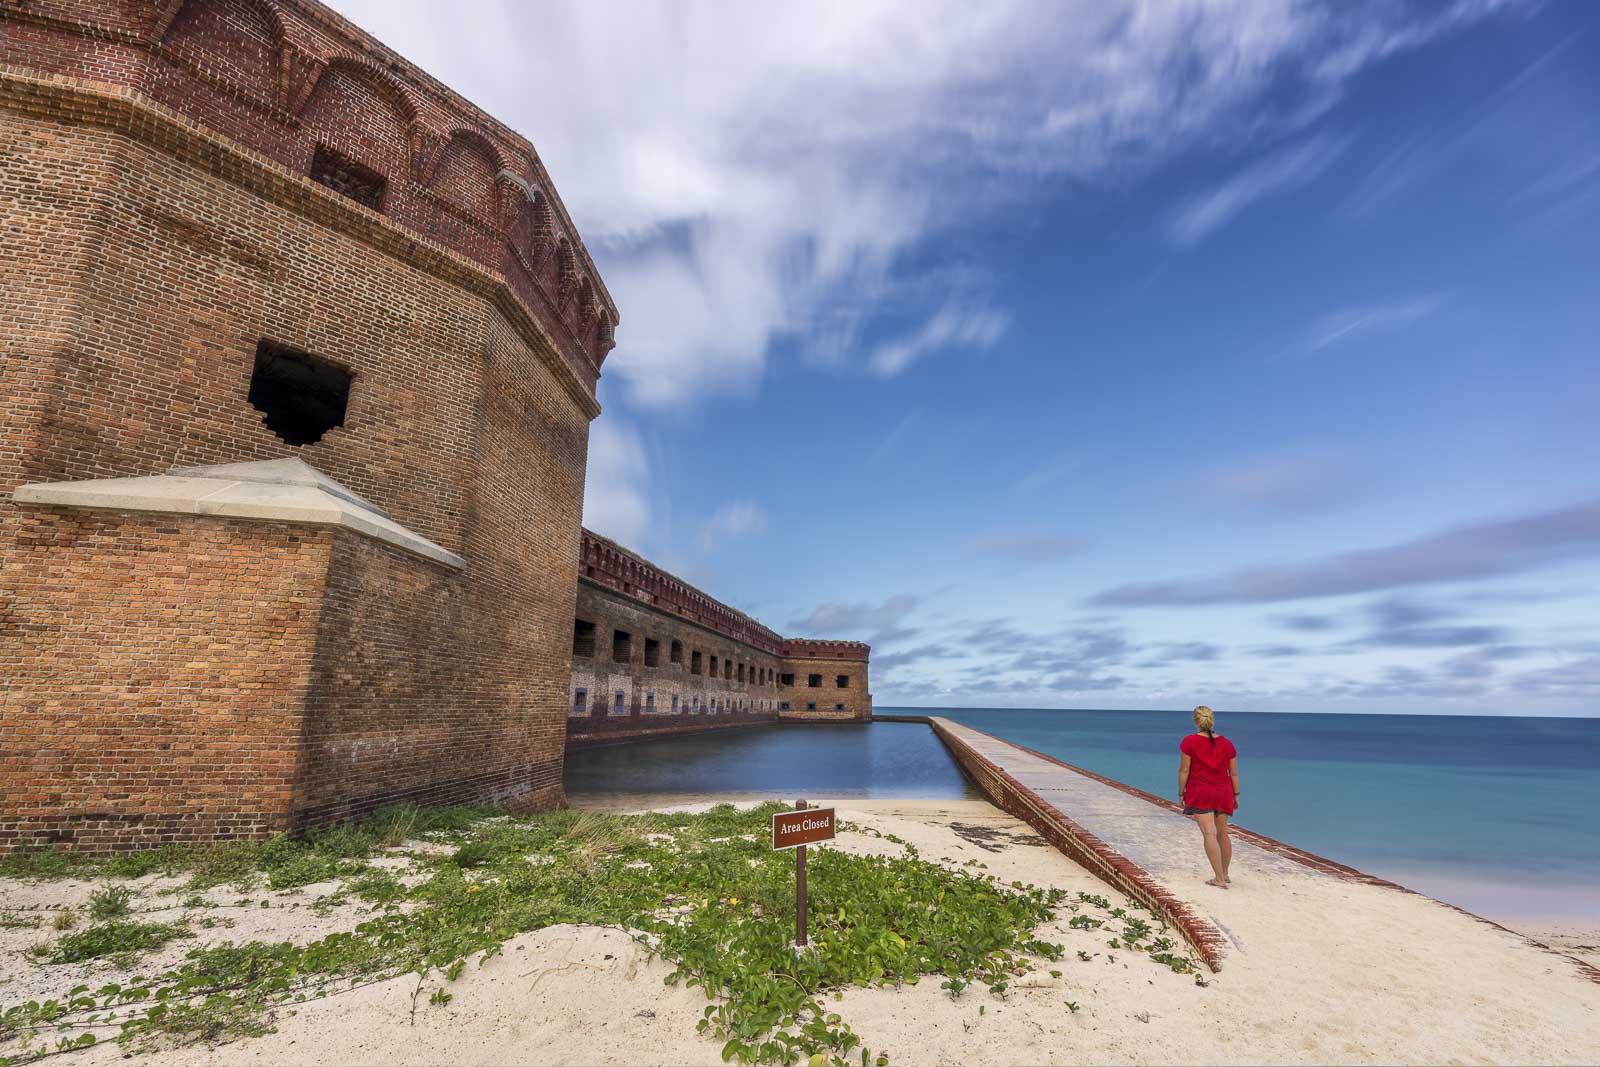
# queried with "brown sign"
point(791, 829)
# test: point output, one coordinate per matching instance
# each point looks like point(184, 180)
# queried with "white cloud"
point(1362, 322)
point(746, 172)
point(736, 519)
point(952, 327)
point(615, 502)
point(1286, 170)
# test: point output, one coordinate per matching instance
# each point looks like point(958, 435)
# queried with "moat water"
point(828, 761)
point(1493, 814)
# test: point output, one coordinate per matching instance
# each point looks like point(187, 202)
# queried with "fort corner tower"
point(299, 355)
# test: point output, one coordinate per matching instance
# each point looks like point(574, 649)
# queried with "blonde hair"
point(1205, 720)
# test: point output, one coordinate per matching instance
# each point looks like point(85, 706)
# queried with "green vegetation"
point(110, 902)
point(116, 938)
point(705, 892)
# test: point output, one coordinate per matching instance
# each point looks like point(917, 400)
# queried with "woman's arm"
point(1183, 775)
point(1233, 772)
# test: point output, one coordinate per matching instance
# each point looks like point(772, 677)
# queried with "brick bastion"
point(298, 365)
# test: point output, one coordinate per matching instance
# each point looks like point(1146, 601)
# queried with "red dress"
point(1209, 787)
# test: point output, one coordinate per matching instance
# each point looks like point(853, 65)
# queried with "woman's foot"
point(1219, 885)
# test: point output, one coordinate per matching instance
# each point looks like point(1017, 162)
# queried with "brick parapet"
point(281, 77)
point(620, 592)
point(807, 648)
point(607, 563)
point(125, 112)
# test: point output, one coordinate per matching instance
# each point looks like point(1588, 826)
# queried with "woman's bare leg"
point(1224, 844)
point(1208, 828)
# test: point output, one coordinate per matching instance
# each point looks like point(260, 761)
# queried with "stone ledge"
point(1078, 844)
point(282, 490)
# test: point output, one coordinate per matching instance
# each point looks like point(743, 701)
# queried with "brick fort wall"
point(654, 656)
point(170, 207)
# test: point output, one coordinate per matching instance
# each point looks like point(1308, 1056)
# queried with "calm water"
point(1494, 814)
point(827, 761)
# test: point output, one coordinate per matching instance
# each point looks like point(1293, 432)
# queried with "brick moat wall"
point(695, 679)
point(147, 255)
point(654, 656)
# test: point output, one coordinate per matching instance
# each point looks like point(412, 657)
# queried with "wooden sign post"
point(795, 829)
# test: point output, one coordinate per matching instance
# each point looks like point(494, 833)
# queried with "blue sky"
point(1090, 356)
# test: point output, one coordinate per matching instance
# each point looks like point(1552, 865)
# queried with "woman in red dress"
point(1208, 785)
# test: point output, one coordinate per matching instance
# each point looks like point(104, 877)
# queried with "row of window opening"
point(584, 640)
point(693, 706)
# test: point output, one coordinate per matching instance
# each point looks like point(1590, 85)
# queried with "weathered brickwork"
point(652, 655)
point(140, 649)
point(161, 225)
point(242, 230)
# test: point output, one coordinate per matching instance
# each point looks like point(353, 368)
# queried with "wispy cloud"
point(1345, 326)
point(1279, 173)
point(746, 172)
point(894, 437)
point(735, 519)
point(951, 328)
point(840, 617)
point(1031, 547)
point(1052, 471)
point(891, 660)
point(1309, 623)
point(1538, 127)
point(1284, 485)
point(616, 501)
point(1480, 550)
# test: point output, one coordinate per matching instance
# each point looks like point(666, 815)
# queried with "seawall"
point(1138, 842)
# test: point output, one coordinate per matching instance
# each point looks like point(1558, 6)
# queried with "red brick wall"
point(742, 700)
point(144, 260)
point(155, 671)
point(856, 696)
point(621, 590)
point(398, 713)
point(278, 77)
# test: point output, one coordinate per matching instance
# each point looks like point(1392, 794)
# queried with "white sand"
point(1334, 972)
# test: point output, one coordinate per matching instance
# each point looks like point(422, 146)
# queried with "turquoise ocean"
point(1495, 814)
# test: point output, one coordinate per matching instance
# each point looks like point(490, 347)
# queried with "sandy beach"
point(1341, 972)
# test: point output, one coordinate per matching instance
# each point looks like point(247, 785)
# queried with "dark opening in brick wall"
point(652, 652)
point(621, 646)
point(694, 664)
point(677, 652)
point(842, 681)
point(727, 669)
point(582, 638)
point(739, 674)
point(713, 666)
point(814, 681)
point(347, 177)
point(301, 396)
point(786, 679)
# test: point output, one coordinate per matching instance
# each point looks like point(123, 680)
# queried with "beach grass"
point(703, 891)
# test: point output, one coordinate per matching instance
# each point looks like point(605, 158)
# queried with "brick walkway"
point(1146, 847)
